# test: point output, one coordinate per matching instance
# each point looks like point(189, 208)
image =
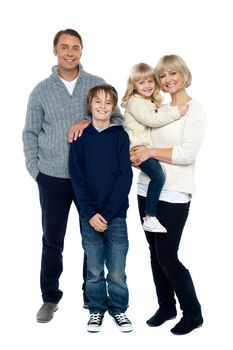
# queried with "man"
point(55, 105)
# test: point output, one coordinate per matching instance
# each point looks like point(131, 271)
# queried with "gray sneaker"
point(45, 314)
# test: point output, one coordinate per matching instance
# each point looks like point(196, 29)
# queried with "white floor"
point(115, 38)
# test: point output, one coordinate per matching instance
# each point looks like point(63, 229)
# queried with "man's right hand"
point(77, 129)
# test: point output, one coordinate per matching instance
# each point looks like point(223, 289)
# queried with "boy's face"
point(101, 106)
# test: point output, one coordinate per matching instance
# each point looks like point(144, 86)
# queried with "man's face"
point(68, 51)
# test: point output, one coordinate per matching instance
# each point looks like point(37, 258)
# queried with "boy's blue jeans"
point(152, 168)
point(108, 248)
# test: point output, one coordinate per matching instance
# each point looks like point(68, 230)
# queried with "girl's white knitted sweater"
point(141, 115)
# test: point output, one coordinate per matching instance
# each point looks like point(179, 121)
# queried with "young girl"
point(141, 101)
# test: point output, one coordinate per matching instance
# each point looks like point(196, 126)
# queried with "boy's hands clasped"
point(98, 223)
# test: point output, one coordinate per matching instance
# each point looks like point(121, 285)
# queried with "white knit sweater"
point(141, 115)
point(185, 137)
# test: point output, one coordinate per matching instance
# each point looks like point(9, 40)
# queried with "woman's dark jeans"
point(169, 274)
point(56, 196)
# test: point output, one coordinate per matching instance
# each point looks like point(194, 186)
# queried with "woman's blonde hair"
point(173, 62)
point(141, 71)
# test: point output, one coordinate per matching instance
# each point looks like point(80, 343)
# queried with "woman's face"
point(171, 81)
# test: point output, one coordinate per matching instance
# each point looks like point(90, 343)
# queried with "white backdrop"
point(116, 36)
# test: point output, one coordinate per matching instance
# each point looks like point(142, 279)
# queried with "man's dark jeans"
point(56, 196)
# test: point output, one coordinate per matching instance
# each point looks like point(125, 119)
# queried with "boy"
point(101, 176)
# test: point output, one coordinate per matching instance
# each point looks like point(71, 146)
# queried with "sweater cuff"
point(174, 155)
point(88, 213)
point(107, 214)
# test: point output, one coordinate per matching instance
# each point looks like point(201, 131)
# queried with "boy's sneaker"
point(123, 322)
point(95, 323)
point(153, 225)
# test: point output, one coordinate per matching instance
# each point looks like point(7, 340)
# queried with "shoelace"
point(95, 318)
point(121, 318)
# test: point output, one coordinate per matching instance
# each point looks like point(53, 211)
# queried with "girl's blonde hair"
point(173, 62)
point(141, 71)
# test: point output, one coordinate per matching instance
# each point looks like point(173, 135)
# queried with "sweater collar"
point(91, 129)
point(56, 76)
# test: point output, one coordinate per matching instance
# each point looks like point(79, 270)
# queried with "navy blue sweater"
point(101, 172)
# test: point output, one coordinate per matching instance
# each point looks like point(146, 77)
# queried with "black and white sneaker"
point(95, 322)
point(123, 322)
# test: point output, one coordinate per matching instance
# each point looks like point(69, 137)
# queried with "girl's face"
point(145, 87)
point(171, 81)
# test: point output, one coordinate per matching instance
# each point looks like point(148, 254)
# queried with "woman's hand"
point(98, 223)
point(139, 154)
point(77, 129)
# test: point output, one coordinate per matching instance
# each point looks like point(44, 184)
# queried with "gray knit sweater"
point(51, 112)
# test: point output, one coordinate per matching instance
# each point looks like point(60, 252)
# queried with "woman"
point(175, 146)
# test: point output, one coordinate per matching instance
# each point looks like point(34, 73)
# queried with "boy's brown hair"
point(109, 90)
